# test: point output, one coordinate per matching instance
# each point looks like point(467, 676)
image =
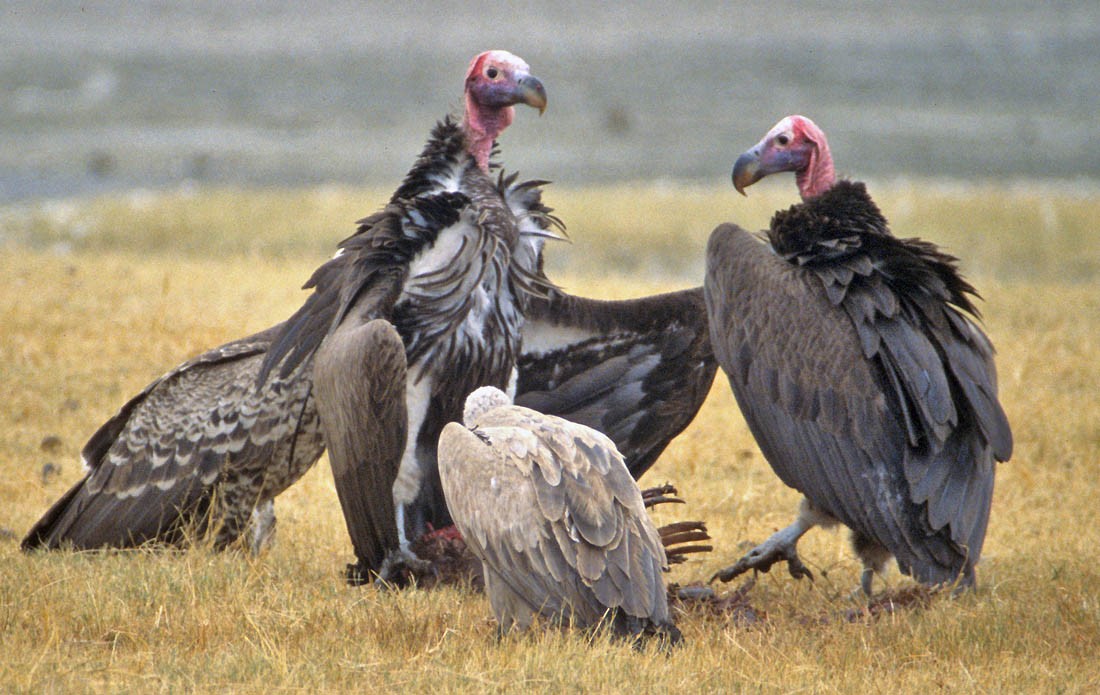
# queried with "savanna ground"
point(101, 296)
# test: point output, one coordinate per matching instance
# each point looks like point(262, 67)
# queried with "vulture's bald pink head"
point(495, 82)
point(794, 144)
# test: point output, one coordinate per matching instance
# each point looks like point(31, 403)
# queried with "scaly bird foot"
point(400, 567)
point(762, 557)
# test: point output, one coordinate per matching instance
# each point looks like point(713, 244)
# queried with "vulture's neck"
point(819, 176)
point(482, 125)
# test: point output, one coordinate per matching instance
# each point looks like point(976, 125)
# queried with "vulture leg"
point(866, 579)
point(263, 527)
point(359, 388)
point(236, 502)
point(874, 557)
point(781, 546)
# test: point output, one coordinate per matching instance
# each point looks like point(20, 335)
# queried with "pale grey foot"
point(874, 557)
point(780, 547)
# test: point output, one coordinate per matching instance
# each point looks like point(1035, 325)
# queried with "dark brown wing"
point(359, 384)
point(375, 259)
point(152, 466)
point(431, 252)
point(637, 370)
point(830, 420)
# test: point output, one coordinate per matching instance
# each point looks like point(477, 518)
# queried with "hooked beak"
point(531, 92)
point(747, 171)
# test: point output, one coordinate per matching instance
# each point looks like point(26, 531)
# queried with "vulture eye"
point(782, 139)
point(492, 73)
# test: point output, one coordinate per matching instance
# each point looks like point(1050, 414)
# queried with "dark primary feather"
point(862, 378)
point(637, 370)
point(362, 407)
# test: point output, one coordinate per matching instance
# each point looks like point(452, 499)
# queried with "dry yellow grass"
point(93, 308)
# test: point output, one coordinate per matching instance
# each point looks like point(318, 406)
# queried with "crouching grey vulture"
point(559, 525)
point(858, 364)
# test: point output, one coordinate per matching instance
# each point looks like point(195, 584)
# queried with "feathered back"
point(843, 238)
point(558, 523)
point(863, 375)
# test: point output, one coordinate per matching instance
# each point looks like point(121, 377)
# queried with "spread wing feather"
point(637, 370)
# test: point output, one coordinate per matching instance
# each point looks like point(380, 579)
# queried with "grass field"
point(103, 295)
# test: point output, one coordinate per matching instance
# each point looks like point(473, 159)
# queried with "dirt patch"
point(698, 599)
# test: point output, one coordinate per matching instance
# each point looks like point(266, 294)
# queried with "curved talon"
point(738, 568)
point(796, 568)
point(761, 559)
point(652, 496)
point(726, 574)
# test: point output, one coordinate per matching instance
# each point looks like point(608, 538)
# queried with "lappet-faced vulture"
point(447, 266)
point(556, 519)
point(861, 372)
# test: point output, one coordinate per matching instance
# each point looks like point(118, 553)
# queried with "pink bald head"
point(495, 82)
point(794, 144)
